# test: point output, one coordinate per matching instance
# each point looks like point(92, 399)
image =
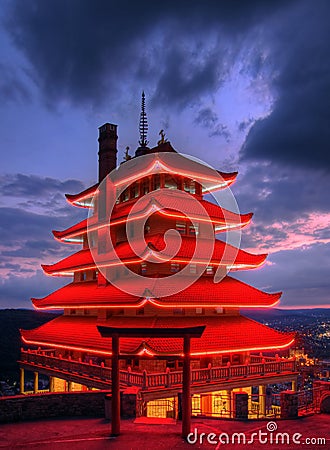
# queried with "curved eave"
point(84, 198)
point(259, 260)
point(37, 303)
point(74, 233)
point(228, 293)
point(233, 334)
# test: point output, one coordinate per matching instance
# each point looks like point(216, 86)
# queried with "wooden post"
point(262, 400)
point(115, 403)
point(186, 379)
point(36, 382)
point(21, 382)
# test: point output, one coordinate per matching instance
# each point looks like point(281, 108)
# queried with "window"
point(178, 311)
point(143, 268)
point(95, 274)
point(87, 312)
point(170, 182)
point(145, 186)
point(199, 311)
point(156, 182)
point(192, 268)
point(72, 311)
point(219, 310)
point(181, 227)
point(209, 270)
point(135, 190)
point(140, 312)
point(189, 186)
point(125, 195)
point(92, 239)
point(193, 229)
point(175, 267)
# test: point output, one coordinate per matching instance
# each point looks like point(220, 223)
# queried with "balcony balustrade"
point(257, 366)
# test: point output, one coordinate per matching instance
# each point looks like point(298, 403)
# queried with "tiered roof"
point(223, 334)
point(221, 218)
point(223, 255)
point(229, 293)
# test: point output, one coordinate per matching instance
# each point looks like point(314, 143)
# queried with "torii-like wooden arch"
point(116, 333)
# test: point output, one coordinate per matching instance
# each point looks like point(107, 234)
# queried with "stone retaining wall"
point(42, 406)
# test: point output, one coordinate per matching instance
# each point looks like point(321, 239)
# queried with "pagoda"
point(228, 356)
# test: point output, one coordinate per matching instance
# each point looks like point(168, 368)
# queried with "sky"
point(241, 85)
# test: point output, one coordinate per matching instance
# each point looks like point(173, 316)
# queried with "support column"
point(69, 386)
point(51, 384)
point(229, 402)
point(115, 401)
point(294, 385)
point(262, 400)
point(21, 381)
point(186, 397)
point(36, 383)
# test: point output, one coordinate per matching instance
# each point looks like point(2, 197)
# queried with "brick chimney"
point(107, 149)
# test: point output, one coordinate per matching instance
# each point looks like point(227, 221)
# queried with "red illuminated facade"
point(229, 341)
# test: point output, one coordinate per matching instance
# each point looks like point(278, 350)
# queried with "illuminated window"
point(199, 311)
point(135, 190)
point(178, 311)
point(125, 195)
point(194, 229)
point(209, 270)
point(170, 182)
point(181, 227)
point(175, 267)
point(189, 186)
point(219, 310)
point(145, 186)
point(156, 182)
point(143, 268)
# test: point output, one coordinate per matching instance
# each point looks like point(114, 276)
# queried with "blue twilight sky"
point(242, 85)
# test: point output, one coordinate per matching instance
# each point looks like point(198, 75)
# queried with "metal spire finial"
point(143, 123)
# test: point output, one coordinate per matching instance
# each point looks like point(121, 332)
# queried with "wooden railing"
point(165, 379)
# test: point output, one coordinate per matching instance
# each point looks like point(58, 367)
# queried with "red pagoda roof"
point(82, 199)
point(233, 258)
point(223, 334)
point(221, 218)
point(160, 162)
point(202, 293)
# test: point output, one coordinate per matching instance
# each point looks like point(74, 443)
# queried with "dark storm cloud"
point(26, 237)
point(20, 185)
point(297, 131)
point(84, 51)
point(275, 193)
point(302, 281)
point(209, 119)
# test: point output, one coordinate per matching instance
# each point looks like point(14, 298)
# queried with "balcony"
point(211, 378)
